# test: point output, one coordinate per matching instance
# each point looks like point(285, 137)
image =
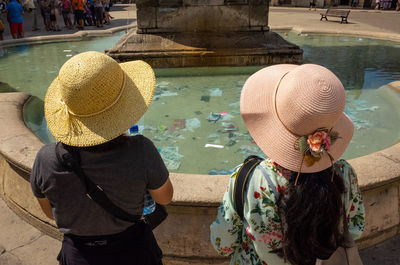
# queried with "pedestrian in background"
point(15, 12)
point(2, 26)
point(98, 11)
point(66, 10)
point(107, 16)
point(78, 7)
point(45, 11)
point(312, 5)
point(88, 15)
point(91, 7)
point(55, 15)
point(34, 10)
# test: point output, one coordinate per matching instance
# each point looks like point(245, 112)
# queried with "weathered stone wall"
point(201, 15)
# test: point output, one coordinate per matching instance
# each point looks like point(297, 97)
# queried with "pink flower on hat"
point(327, 142)
point(316, 144)
point(316, 140)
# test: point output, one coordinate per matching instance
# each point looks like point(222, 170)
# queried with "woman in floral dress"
point(299, 194)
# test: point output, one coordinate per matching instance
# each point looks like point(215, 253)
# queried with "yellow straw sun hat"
point(94, 99)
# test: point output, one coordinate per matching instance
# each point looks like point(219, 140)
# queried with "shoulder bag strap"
point(271, 184)
point(71, 161)
point(242, 178)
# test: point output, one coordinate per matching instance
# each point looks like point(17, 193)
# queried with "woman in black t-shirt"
point(88, 108)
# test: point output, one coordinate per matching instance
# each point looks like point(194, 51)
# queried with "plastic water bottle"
point(133, 130)
point(149, 204)
point(137, 128)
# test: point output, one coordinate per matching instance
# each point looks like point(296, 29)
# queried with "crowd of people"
point(387, 4)
point(74, 13)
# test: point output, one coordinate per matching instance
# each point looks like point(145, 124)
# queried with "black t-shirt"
point(124, 174)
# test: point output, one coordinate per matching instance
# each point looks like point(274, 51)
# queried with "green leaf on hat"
point(303, 145)
point(334, 136)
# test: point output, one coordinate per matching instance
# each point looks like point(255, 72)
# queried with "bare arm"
point(163, 195)
point(46, 208)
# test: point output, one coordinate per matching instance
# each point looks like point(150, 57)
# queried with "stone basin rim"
point(204, 191)
point(80, 35)
point(77, 36)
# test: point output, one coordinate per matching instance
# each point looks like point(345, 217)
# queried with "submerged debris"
point(171, 157)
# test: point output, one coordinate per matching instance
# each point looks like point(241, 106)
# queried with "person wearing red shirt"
point(78, 11)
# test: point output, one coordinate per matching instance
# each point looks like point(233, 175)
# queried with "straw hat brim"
point(134, 101)
point(268, 132)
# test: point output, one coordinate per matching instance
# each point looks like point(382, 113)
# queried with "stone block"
point(14, 231)
point(259, 2)
point(167, 260)
point(146, 17)
point(9, 259)
point(180, 224)
point(236, 2)
point(18, 189)
point(146, 3)
point(170, 3)
point(3, 166)
point(45, 248)
point(206, 18)
point(203, 2)
point(258, 16)
point(382, 209)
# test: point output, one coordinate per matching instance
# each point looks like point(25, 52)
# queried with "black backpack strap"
point(242, 178)
point(70, 159)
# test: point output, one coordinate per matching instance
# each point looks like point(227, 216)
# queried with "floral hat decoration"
point(295, 115)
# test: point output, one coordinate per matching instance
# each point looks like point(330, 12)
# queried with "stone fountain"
point(190, 33)
point(186, 33)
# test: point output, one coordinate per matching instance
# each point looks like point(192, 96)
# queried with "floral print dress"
point(255, 240)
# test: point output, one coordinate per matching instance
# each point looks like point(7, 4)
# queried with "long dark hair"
point(310, 214)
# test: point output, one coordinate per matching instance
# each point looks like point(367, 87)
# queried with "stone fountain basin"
point(184, 236)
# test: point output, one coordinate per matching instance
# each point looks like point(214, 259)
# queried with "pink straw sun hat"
point(284, 105)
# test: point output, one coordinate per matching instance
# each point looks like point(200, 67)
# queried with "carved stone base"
point(195, 49)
